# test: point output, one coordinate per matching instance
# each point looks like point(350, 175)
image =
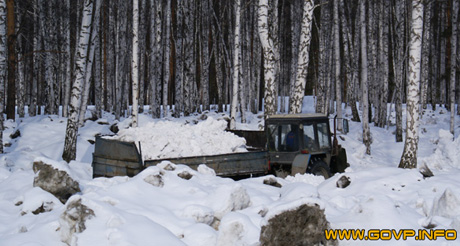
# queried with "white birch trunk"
point(295, 105)
point(236, 66)
point(364, 80)
point(89, 64)
point(409, 156)
point(134, 63)
point(70, 145)
point(269, 60)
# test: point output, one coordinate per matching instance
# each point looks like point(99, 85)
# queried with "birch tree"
point(269, 60)
point(351, 60)
point(155, 57)
point(398, 64)
point(453, 64)
point(11, 75)
point(3, 65)
point(364, 80)
point(296, 97)
point(236, 65)
point(121, 51)
point(383, 63)
point(66, 41)
point(36, 60)
point(425, 56)
point(166, 54)
point(205, 53)
point(179, 68)
point(89, 64)
point(322, 91)
point(338, 81)
point(70, 145)
point(134, 62)
point(409, 156)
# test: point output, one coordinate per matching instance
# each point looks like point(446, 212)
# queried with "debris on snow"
point(73, 220)
point(304, 225)
point(53, 177)
point(343, 182)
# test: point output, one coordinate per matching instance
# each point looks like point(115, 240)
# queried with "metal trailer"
point(117, 158)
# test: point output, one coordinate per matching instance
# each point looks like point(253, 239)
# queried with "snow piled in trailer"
point(169, 139)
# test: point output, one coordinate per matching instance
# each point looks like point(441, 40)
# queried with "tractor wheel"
point(320, 168)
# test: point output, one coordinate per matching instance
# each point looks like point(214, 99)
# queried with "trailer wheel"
point(320, 168)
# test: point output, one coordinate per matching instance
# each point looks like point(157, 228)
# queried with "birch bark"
point(302, 60)
point(134, 63)
point(409, 156)
point(70, 145)
point(269, 60)
point(236, 65)
point(364, 80)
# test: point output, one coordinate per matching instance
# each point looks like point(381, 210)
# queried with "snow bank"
point(446, 153)
point(169, 139)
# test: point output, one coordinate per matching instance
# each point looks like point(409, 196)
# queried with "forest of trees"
point(186, 56)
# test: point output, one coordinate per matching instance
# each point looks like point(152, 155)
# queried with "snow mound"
point(446, 152)
point(227, 198)
point(168, 139)
point(237, 229)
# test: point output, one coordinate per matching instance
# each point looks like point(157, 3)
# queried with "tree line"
point(185, 56)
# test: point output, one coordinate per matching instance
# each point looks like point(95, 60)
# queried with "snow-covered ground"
point(210, 210)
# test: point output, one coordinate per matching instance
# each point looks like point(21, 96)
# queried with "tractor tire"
point(320, 168)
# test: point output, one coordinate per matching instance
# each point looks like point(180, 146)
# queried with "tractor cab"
point(299, 143)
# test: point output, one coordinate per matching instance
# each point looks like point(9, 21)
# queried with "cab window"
point(283, 137)
point(323, 135)
point(309, 136)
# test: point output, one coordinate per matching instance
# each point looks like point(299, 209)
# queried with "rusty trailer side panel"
point(116, 158)
point(234, 164)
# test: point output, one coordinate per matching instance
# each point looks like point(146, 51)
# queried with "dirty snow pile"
point(169, 139)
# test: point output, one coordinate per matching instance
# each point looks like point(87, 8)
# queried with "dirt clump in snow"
point(425, 171)
point(55, 181)
point(272, 181)
point(73, 220)
point(185, 175)
point(304, 225)
point(155, 180)
point(15, 134)
point(343, 182)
